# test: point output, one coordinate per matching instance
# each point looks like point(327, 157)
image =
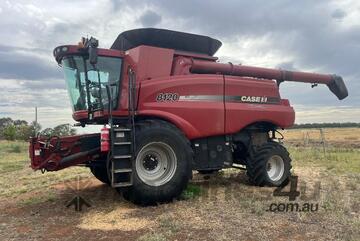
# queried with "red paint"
point(200, 66)
point(44, 153)
point(160, 70)
point(240, 115)
point(104, 139)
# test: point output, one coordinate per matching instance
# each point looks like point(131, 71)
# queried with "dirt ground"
point(221, 206)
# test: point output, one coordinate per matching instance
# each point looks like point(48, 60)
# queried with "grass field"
point(222, 206)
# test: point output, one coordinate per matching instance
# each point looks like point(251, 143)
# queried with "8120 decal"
point(161, 97)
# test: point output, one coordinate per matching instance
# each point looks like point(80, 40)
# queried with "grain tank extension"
point(167, 108)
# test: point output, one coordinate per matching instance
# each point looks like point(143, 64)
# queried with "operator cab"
point(86, 83)
point(93, 77)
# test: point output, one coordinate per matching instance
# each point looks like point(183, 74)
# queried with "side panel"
point(148, 63)
point(177, 100)
point(151, 62)
point(212, 153)
point(249, 101)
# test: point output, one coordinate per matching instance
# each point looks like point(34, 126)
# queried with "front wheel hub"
point(275, 168)
point(156, 163)
point(150, 162)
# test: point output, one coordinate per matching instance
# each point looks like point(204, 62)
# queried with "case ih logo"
point(256, 99)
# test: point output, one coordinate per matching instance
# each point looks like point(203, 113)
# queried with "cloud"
point(327, 114)
point(301, 35)
point(149, 19)
point(316, 36)
point(20, 64)
point(338, 14)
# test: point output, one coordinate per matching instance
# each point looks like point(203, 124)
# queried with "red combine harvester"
point(168, 107)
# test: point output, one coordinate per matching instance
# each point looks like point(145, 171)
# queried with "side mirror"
point(93, 55)
point(92, 45)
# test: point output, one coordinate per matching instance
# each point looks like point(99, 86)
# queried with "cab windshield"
point(86, 83)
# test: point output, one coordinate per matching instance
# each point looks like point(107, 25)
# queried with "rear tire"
point(100, 172)
point(162, 167)
point(269, 165)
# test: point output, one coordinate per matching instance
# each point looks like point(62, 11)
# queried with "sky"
point(316, 36)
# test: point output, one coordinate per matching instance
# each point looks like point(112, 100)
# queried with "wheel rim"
point(156, 163)
point(275, 168)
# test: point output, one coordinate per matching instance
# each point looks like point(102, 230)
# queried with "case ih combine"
point(168, 107)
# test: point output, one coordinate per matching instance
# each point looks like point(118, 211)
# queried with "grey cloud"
point(287, 65)
point(118, 4)
point(253, 18)
point(45, 84)
point(150, 19)
point(17, 64)
point(301, 28)
point(25, 97)
point(338, 13)
point(305, 30)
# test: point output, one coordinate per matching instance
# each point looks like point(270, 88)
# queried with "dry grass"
point(18, 180)
point(121, 217)
point(332, 137)
point(222, 207)
point(331, 134)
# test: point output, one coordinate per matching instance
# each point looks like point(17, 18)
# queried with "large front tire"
point(100, 173)
point(162, 167)
point(269, 165)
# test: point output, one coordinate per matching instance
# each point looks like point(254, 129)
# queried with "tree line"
point(21, 130)
point(325, 125)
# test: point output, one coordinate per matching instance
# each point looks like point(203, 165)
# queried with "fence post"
point(322, 136)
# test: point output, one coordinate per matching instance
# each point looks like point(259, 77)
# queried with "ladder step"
point(121, 173)
point(122, 129)
point(122, 156)
point(122, 143)
point(123, 170)
point(122, 184)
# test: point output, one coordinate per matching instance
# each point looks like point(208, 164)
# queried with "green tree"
point(5, 122)
point(35, 128)
point(9, 132)
point(20, 122)
point(64, 130)
point(23, 132)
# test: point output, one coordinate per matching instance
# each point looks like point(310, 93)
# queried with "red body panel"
point(195, 118)
point(213, 115)
point(240, 115)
